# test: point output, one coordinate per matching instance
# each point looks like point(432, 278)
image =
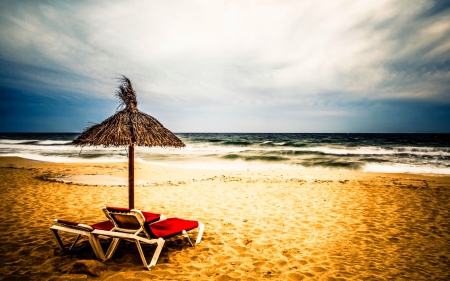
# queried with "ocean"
point(392, 153)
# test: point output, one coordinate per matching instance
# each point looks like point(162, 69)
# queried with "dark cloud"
point(417, 65)
point(22, 111)
point(410, 116)
point(437, 7)
point(287, 66)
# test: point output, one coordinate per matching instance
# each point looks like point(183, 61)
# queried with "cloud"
point(246, 56)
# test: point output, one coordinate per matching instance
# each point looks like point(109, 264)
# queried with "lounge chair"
point(81, 230)
point(88, 230)
point(131, 224)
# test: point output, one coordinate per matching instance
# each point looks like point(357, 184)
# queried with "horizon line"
point(249, 132)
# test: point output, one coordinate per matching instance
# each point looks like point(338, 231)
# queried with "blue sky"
point(228, 66)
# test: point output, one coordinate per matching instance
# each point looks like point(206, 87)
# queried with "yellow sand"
point(280, 225)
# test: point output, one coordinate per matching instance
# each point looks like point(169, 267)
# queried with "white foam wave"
point(381, 151)
point(211, 149)
point(210, 156)
point(243, 165)
point(403, 168)
point(237, 165)
point(193, 150)
point(8, 141)
point(28, 147)
point(63, 159)
point(204, 149)
point(52, 142)
point(215, 164)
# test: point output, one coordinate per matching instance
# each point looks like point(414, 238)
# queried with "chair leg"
point(154, 260)
point(58, 239)
point(158, 250)
point(112, 248)
point(75, 242)
point(201, 227)
point(96, 247)
point(60, 243)
point(187, 236)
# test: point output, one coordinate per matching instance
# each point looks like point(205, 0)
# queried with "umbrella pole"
point(131, 177)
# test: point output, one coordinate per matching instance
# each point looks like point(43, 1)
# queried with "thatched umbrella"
point(128, 127)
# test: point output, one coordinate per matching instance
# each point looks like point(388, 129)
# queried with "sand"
point(279, 225)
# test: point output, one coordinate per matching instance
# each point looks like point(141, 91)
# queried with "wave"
point(36, 142)
point(297, 144)
point(245, 163)
point(239, 143)
point(241, 165)
point(67, 159)
point(330, 164)
point(52, 147)
point(53, 142)
point(385, 153)
point(402, 168)
point(256, 158)
point(374, 160)
point(8, 141)
point(279, 148)
point(382, 151)
point(271, 143)
point(215, 140)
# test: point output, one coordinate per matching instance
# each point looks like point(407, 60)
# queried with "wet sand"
point(279, 225)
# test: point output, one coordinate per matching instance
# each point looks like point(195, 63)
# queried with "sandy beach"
point(274, 224)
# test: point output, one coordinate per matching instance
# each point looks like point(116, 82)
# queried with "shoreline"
point(278, 224)
point(165, 167)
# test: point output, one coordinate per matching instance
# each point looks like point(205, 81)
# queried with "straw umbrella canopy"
point(128, 127)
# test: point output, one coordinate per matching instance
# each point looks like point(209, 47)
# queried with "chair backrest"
point(126, 220)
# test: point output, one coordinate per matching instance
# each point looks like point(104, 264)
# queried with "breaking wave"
point(396, 153)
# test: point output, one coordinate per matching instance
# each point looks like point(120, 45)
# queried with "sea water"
point(405, 153)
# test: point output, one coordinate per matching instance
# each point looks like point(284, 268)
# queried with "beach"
point(276, 224)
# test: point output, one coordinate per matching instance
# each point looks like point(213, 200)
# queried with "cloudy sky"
point(228, 66)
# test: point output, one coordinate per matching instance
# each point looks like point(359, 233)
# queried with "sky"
point(228, 66)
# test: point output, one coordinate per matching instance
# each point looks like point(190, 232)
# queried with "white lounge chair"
point(88, 230)
point(130, 224)
point(81, 230)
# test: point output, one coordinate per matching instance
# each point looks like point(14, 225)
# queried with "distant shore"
point(278, 224)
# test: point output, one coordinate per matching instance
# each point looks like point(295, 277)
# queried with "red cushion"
point(151, 217)
point(67, 222)
point(104, 225)
point(117, 209)
point(171, 227)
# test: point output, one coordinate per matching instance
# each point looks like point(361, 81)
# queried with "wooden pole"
point(131, 177)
